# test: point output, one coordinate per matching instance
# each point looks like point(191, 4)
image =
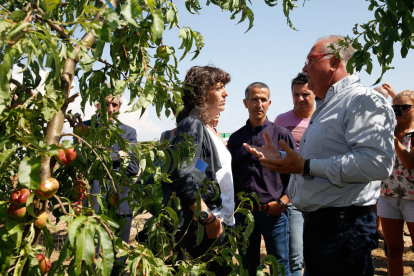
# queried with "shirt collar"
point(342, 86)
point(259, 127)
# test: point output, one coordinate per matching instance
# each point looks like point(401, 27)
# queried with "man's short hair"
point(345, 53)
point(382, 91)
point(301, 78)
point(260, 85)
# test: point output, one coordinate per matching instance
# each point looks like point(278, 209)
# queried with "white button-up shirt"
point(350, 141)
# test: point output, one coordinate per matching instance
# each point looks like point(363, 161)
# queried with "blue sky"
point(270, 52)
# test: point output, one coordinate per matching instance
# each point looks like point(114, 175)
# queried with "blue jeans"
point(340, 247)
point(295, 241)
point(275, 231)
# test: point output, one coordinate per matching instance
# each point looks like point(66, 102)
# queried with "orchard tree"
point(39, 174)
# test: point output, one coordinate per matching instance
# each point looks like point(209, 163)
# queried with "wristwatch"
point(204, 214)
point(306, 173)
point(283, 205)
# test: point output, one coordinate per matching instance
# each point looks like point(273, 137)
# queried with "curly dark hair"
point(199, 80)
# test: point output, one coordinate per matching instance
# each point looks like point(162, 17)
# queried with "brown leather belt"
point(255, 207)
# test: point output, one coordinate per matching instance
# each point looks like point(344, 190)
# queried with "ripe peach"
point(44, 263)
point(49, 186)
point(19, 197)
point(41, 220)
point(79, 187)
point(16, 212)
point(66, 156)
point(113, 198)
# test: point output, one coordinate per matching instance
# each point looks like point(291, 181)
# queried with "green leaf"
point(107, 250)
point(174, 217)
point(89, 248)
point(199, 233)
point(29, 173)
point(249, 222)
point(5, 159)
point(49, 5)
point(157, 25)
point(80, 245)
point(72, 229)
point(127, 12)
point(48, 242)
point(30, 205)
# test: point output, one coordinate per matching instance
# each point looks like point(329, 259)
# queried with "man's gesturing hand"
point(268, 151)
point(271, 159)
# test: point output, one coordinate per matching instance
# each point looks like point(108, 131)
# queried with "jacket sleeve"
point(183, 183)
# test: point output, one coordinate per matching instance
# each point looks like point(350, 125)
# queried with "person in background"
point(204, 97)
point(396, 203)
point(168, 134)
point(346, 149)
point(271, 218)
point(113, 105)
point(297, 121)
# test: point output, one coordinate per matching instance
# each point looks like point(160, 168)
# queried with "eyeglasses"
point(403, 107)
point(309, 59)
point(114, 105)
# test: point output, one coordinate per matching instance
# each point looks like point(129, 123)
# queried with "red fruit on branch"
point(19, 197)
point(66, 156)
point(48, 189)
point(50, 185)
point(80, 197)
point(44, 263)
point(16, 212)
point(81, 130)
point(41, 220)
point(79, 187)
point(113, 198)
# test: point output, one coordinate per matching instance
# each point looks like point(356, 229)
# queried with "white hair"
point(345, 52)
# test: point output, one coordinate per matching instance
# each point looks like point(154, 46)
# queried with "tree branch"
point(21, 86)
point(106, 228)
point(61, 205)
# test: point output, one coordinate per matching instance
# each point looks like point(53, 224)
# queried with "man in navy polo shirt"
point(271, 218)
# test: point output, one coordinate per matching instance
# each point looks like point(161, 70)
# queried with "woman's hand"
point(390, 90)
point(214, 229)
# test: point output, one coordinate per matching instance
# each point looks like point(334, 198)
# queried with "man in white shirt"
point(346, 149)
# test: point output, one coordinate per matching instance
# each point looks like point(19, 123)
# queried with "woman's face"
point(407, 115)
point(217, 99)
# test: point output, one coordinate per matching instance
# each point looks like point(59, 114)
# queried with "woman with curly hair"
point(204, 97)
point(396, 203)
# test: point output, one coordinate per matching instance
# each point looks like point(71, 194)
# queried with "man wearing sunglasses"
point(346, 149)
point(113, 105)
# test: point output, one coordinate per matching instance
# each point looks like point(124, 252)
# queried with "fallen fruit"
point(44, 263)
point(16, 212)
point(41, 220)
point(20, 197)
point(66, 156)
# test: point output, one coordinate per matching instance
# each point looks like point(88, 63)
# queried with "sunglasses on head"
point(403, 107)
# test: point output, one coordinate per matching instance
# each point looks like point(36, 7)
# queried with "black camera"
point(397, 111)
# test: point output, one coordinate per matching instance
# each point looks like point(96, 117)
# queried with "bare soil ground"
point(380, 260)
